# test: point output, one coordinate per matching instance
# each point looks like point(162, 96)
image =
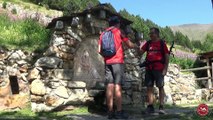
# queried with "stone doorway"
point(14, 85)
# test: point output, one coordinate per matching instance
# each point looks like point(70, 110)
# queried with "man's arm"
point(166, 64)
point(131, 45)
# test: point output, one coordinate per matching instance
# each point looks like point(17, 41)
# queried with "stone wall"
point(180, 88)
point(14, 86)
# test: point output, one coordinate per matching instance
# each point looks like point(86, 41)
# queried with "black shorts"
point(114, 73)
point(154, 75)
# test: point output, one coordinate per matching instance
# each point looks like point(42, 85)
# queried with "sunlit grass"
point(28, 114)
point(27, 34)
point(30, 6)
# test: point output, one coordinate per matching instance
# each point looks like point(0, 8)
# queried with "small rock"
point(61, 91)
point(37, 99)
point(71, 33)
point(69, 64)
point(12, 71)
point(16, 55)
point(136, 73)
point(184, 100)
point(59, 25)
point(33, 74)
point(21, 62)
point(168, 99)
point(67, 49)
point(76, 84)
point(5, 88)
point(65, 56)
point(54, 101)
point(65, 74)
point(37, 87)
point(23, 69)
point(58, 41)
point(49, 62)
point(40, 107)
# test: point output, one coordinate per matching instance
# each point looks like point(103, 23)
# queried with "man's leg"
point(161, 95)
point(118, 72)
point(149, 82)
point(109, 96)
point(109, 90)
point(118, 96)
point(150, 95)
point(160, 83)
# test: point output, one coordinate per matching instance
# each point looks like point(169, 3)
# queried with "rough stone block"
point(65, 74)
point(37, 87)
point(76, 84)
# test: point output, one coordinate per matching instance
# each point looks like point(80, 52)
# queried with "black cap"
point(114, 20)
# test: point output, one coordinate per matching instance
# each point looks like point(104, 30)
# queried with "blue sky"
point(168, 12)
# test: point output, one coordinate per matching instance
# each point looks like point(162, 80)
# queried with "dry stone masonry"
point(14, 86)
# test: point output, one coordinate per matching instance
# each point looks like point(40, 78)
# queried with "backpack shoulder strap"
point(162, 42)
point(148, 45)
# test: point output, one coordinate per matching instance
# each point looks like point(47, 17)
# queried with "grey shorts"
point(154, 76)
point(114, 73)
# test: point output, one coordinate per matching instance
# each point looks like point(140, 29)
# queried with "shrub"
point(4, 5)
point(14, 11)
point(183, 63)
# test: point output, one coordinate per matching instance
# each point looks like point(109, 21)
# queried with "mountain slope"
point(194, 31)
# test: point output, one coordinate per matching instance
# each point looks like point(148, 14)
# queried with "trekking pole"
point(171, 47)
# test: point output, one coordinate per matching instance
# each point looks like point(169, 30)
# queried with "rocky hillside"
point(194, 31)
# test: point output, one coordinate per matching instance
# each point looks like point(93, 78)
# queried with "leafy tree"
point(167, 34)
point(208, 43)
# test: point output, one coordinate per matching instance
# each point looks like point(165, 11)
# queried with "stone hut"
point(71, 71)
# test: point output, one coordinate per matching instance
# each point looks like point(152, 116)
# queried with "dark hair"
point(114, 20)
point(157, 31)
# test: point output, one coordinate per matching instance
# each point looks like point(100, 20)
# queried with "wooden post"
point(212, 72)
point(209, 73)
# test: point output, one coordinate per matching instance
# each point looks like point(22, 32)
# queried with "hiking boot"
point(111, 115)
point(121, 115)
point(150, 109)
point(161, 110)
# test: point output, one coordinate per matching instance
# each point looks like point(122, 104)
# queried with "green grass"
point(183, 63)
point(29, 115)
point(27, 34)
point(30, 6)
